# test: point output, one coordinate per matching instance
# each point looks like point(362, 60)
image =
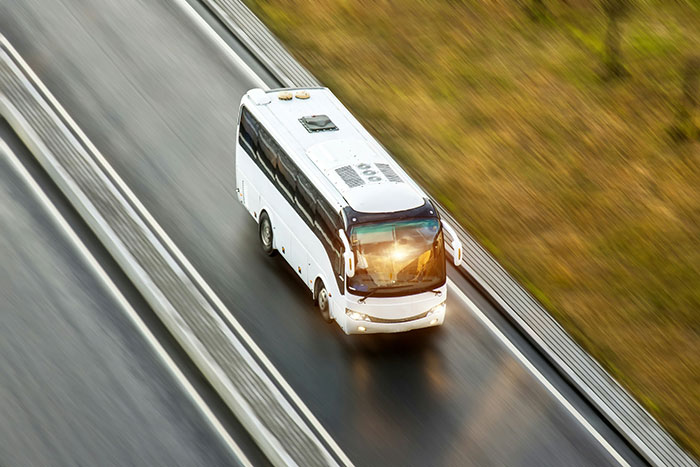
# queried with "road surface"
point(81, 384)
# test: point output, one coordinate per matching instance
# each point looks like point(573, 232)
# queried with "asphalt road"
point(159, 100)
point(80, 384)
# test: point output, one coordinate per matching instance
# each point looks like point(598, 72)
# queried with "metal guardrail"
point(640, 429)
point(255, 36)
point(80, 173)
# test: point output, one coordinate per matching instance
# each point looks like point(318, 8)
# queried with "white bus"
point(362, 236)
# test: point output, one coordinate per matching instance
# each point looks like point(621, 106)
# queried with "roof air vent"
point(389, 173)
point(316, 123)
point(349, 176)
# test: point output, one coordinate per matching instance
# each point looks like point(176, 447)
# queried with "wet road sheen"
point(79, 385)
point(160, 102)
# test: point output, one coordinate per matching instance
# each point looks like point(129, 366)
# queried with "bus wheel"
point(322, 300)
point(266, 234)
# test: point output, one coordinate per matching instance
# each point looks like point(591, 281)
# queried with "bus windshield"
point(397, 257)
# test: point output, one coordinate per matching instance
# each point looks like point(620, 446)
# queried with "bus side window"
point(328, 223)
point(328, 217)
point(324, 233)
point(268, 153)
point(248, 134)
point(286, 174)
point(304, 199)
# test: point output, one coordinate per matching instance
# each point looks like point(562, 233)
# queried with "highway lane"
point(159, 100)
point(81, 385)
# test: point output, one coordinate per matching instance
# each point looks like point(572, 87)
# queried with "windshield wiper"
point(367, 295)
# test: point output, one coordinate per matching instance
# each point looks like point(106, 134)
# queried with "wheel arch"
point(318, 280)
point(266, 210)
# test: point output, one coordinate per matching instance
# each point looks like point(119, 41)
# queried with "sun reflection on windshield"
point(406, 255)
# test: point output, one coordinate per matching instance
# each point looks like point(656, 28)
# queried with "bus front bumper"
point(434, 317)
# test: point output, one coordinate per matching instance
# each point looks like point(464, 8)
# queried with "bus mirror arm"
point(348, 257)
point(456, 244)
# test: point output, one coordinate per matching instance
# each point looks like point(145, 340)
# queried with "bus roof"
point(334, 150)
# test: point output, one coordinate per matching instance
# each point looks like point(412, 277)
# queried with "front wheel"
point(265, 231)
point(322, 300)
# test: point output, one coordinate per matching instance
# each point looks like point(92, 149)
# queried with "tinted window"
point(328, 219)
point(268, 152)
point(287, 174)
point(304, 198)
point(307, 192)
point(328, 223)
point(248, 134)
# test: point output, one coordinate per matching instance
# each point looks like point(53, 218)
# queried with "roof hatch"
point(314, 123)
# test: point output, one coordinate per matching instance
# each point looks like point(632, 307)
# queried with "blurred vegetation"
point(586, 188)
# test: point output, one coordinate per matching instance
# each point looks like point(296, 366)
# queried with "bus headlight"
point(437, 309)
point(355, 315)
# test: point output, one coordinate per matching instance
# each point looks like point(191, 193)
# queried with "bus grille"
point(401, 320)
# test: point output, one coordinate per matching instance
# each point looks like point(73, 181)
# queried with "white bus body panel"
point(292, 238)
point(396, 313)
point(317, 156)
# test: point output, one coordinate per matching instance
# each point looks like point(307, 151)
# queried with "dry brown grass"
point(572, 182)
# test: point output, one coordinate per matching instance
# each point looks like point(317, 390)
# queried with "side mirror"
point(456, 244)
point(348, 256)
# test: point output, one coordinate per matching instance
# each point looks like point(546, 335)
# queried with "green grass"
point(571, 181)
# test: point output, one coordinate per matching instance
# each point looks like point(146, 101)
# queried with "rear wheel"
point(265, 230)
point(322, 300)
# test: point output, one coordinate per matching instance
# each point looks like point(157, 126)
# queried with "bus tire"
point(265, 234)
point(322, 300)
